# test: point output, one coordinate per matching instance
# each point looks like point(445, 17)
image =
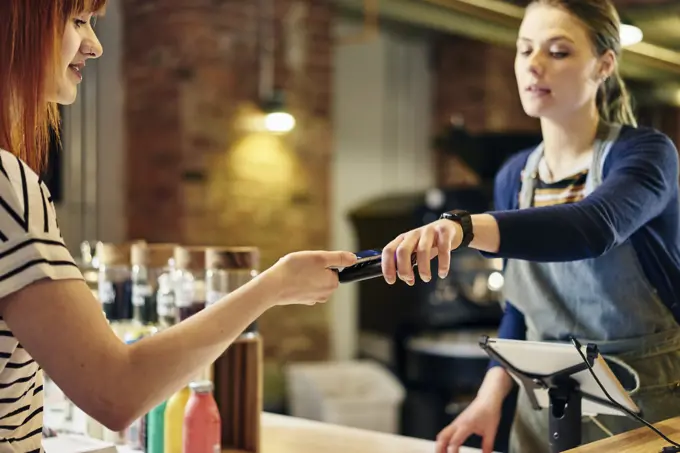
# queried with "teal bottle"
point(155, 429)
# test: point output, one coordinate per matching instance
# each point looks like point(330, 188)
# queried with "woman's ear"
point(607, 65)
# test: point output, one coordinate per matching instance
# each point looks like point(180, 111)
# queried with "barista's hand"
point(481, 417)
point(437, 238)
point(305, 277)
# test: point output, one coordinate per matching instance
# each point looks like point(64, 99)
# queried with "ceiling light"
point(277, 118)
point(630, 35)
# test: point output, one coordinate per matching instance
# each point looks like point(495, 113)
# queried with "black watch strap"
point(465, 221)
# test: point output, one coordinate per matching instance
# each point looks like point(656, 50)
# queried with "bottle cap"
point(201, 386)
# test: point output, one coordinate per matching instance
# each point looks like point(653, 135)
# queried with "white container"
point(360, 394)
point(76, 444)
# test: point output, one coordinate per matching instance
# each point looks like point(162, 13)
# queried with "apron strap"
point(529, 176)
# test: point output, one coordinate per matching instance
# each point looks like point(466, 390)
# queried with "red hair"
point(30, 52)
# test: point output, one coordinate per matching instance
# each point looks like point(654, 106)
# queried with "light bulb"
point(495, 281)
point(630, 35)
point(279, 122)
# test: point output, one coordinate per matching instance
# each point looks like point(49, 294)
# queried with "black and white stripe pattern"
point(31, 249)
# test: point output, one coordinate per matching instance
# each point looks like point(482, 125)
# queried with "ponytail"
point(614, 103)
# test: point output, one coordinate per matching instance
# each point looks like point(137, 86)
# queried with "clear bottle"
point(174, 421)
point(190, 295)
point(88, 265)
point(114, 289)
point(166, 307)
point(149, 262)
point(202, 422)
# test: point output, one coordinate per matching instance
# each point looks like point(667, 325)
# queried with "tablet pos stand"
point(564, 394)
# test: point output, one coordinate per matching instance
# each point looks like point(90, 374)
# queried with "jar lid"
point(190, 257)
point(110, 254)
point(201, 386)
point(152, 255)
point(232, 258)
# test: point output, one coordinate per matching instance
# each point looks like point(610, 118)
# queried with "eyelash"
point(558, 55)
point(79, 23)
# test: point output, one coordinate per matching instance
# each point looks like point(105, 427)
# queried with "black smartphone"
point(368, 265)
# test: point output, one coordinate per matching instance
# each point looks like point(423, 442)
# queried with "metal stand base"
point(565, 416)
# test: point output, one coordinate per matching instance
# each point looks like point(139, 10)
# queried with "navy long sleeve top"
point(638, 200)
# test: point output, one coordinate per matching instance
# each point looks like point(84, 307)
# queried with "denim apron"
point(605, 300)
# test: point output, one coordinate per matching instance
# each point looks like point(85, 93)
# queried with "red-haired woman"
point(48, 318)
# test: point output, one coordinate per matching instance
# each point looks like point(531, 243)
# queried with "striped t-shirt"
point(568, 190)
point(31, 249)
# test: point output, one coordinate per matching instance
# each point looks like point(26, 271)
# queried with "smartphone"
point(368, 265)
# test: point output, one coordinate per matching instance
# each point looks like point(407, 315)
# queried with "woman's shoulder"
point(643, 146)
point(17, 171)
point(643, 137)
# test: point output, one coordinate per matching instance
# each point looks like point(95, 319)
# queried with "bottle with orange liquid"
point(202, 423)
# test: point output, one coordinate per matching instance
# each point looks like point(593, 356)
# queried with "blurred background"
point(326, 124)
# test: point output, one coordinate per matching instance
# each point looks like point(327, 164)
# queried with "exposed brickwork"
point(195, 176)
point(474, 81)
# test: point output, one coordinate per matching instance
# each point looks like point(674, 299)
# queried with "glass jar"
point(238, 371)
point(149, 262)
point(165, 300)
point(190, 296)
point(89, 266)
point(227, 269)
point(114, 289)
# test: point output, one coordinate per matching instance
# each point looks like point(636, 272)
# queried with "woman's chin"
point(65, 95)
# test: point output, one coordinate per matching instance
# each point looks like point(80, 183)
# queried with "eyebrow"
point(551, 40)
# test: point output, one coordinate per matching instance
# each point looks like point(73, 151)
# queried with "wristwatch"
point(465, 221)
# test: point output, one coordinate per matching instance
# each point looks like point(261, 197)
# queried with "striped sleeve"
point(31, 246)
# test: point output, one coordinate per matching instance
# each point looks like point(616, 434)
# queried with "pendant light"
point(272, 101)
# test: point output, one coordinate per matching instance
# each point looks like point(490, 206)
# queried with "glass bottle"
point(149, 262)
point(190, 295)
point(114, 286)
point(202, 422)
point(89, 266)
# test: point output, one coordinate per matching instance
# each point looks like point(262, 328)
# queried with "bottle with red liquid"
point(202, 423)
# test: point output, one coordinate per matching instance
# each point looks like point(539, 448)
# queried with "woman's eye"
point(79, 23)
point(559, 55)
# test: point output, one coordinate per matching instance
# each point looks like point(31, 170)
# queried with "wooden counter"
point(641, 440)
point(283, 434)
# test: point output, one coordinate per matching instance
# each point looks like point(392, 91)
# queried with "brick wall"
point(195, 175)
point(475, 82)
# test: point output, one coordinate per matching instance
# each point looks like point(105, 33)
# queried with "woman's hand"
point(481, 417)
point(438, 238)
point(306, 277)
